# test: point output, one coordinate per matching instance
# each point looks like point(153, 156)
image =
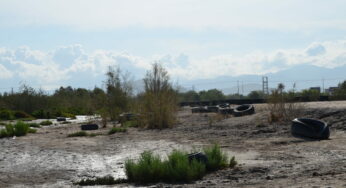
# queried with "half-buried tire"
point(199, 156)
point(310, 128)
point(88, 127)
point(245, 109)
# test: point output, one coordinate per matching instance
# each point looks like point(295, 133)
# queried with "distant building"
point(331, 90)
point(318, 89)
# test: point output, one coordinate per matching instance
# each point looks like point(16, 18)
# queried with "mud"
point(267, 154)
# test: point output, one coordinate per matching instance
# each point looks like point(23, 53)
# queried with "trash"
point(245, 109)
point(198, 156)
point(213, 108)
point(88, 127)
point(60, 119)
point(310, 128)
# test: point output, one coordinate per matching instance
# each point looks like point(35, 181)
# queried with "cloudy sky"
point(71, 42)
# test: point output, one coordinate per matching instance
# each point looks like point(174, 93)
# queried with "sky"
point(55, 43)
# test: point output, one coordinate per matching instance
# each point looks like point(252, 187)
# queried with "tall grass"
point(216, 158)
point(18, 129)
point(117, 130)
point(151, 168)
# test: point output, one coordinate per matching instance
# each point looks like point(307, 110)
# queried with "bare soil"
point(267, 154)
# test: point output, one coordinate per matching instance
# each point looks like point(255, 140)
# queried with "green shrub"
point(232, 162)
point(32, 130)
point(77, 134)
point(47, 122)
point(6, 115)
point(68, 115)
point(179, 169)
point(21, 115)
point(3, 133)
point(216, 158)
point(131, 123)
point(116, 130)
point(106, 180)
point(148, 169)
point(9, 130)
point(21, 128)
point(34, 125)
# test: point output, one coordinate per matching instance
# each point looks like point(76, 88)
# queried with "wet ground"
point(267, 154)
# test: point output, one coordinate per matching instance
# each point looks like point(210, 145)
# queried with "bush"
point(9, 130)
point(21, 115)
point(116, 130)
point(3, 133)
point(34, 125)
point(159, 104)
point(177, 168)
point(47, 122)
point(131, 123)
point(77, 134)
point(6, 115)
point(32, 130)
point(232, 162)
point(216, 159)
point(21, 128)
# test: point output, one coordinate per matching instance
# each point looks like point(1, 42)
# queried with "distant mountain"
point(302, 76)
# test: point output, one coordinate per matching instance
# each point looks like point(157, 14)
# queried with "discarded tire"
point(226, 111)
point(88, 127)
point(310, 128)
point(245, 109)
point(200, 109)
point(60, 119)
point(224, 105)
point(213, 109)
point(199, 156)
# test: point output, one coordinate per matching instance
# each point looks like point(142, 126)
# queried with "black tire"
point(88, 127)
point(245, 109)
point(213, 109)
point(310, 128)
point(196, 109)
point(226, 111)
point(199, 156)
point(60, 119)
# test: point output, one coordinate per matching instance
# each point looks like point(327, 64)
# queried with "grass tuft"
point(116, 130)
point(45, 123)
point(216, 158)
point(177, 168)
point(34, 125)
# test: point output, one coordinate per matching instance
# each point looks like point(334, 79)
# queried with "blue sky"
point(59, 42)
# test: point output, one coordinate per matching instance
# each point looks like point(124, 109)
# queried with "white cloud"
point(5, 74)
point(72, 62)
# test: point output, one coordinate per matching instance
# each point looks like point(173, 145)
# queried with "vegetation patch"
point(45, 123)
point(106, 180)
point(34, 125)
point(18, 129)
point(117, 130)
point(131, 123)
point(177, 168)
point(82, 133)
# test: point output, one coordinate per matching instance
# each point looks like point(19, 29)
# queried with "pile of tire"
point(245, 109)
point(310, 128)
point(88, 127)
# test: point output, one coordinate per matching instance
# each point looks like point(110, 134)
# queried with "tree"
point(159, 99)
point(256, 95)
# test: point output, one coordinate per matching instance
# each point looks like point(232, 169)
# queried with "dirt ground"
point(267, 154)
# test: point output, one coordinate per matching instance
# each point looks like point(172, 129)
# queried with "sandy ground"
point(267, 154)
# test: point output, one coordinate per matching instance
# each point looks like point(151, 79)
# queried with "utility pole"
point(265, 87)
point(242, 87)
point(322, 85)
point(238, 88)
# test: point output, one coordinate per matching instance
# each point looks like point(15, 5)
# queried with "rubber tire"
point(213, 109)
point(226, 111)
point(88, 127)
point(60, 119)
point(245, 109)
point(310, 128)
point(199, 156)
